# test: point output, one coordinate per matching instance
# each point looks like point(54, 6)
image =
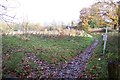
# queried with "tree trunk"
point(118, 16)
point(119, 23)
point(115, 26)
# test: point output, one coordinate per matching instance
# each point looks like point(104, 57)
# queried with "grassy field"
point(98, 65)
point(52, 49)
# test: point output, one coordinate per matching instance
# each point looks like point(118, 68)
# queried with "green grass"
point(52, 49)
point(48, 48)
point(111, 53)
point(11, 62)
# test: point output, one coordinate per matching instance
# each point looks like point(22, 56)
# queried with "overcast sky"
point(47, 11)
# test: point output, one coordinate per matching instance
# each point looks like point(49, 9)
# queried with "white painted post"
point(105, 40)
point(68, 27)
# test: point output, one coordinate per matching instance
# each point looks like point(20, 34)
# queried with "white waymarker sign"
point(105, 40)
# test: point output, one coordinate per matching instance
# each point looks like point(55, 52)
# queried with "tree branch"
point(6, 22)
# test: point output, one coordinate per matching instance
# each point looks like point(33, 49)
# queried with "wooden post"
point(114, 70)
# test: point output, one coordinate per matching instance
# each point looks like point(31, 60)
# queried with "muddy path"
point(71, 69)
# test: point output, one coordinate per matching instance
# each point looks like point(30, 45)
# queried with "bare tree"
point(5, 6)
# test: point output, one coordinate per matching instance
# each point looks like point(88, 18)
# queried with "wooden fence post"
point(114, 70)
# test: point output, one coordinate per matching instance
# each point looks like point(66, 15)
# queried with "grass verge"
point(98, 64)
